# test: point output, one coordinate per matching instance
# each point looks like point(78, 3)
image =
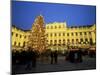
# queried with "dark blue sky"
point(24, 13)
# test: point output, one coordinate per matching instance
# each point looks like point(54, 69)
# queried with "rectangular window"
point(77, 41)
point(63, 34)
point(67, 34)
point(24, 44)
point(14, 43)
point(59, 34)
point(20, 36)
point(86, 40)
point(72, 34)
point(16, 34)
point(47, 35)
point(19, 44)
point(80, 33)
point(55, 34)
point(51, 34)
point(76, 34)
point(81, 40)
point(12, 33)
point(89, 33)
point(84, 33)
point(55, 41)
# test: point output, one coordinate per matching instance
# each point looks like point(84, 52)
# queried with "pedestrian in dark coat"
point(51, 55)
point(55, 56)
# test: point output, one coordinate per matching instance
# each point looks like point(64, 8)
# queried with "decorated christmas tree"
point(37, 38)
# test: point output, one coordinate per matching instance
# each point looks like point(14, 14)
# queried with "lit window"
point(68, 40)
point(12, 33)
point(89, 33)
point(80, 33)
point(59, 26)
point(77, 41)
point(51, 34)
point(59, 34)
point(72, 34)
point(72, 40)
point(24, 44)
point(47, 40)
point(84, 33)
point(19, 44)
point(86, 39)
point(15, 43)
point(81, 40)
point(67, 34)
point(24, 36)
point(55, 34)
point(51, 27)
point(16, 34)
point(76, 34)
point(59, 41)
point(20, 36)
point(51, 41)
point(63, 41)
point(63, 34)
point(47, 27)
point(55, 27)
point(55, 41)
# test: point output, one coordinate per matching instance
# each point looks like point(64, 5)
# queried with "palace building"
point(59, 36)
point(19, 38)
point(62, 37)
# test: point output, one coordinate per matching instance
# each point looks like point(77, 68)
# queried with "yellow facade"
point(58, 36)
point(61, 37)
point(19, 38)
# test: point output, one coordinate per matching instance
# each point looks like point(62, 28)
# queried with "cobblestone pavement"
point(62, 65)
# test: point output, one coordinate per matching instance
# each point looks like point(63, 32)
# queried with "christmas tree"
point(37, 38)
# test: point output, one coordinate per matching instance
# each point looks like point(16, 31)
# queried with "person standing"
point(51, 55)
point(56, 56)
point(34, 56)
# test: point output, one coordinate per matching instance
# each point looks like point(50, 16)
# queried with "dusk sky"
point(24, 13)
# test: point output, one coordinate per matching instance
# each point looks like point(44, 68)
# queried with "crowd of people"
point(29, 57)
point(54, 57)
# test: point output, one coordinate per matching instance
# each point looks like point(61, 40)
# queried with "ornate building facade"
point(58, 36)
point(19, 38)
point(62, 37)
